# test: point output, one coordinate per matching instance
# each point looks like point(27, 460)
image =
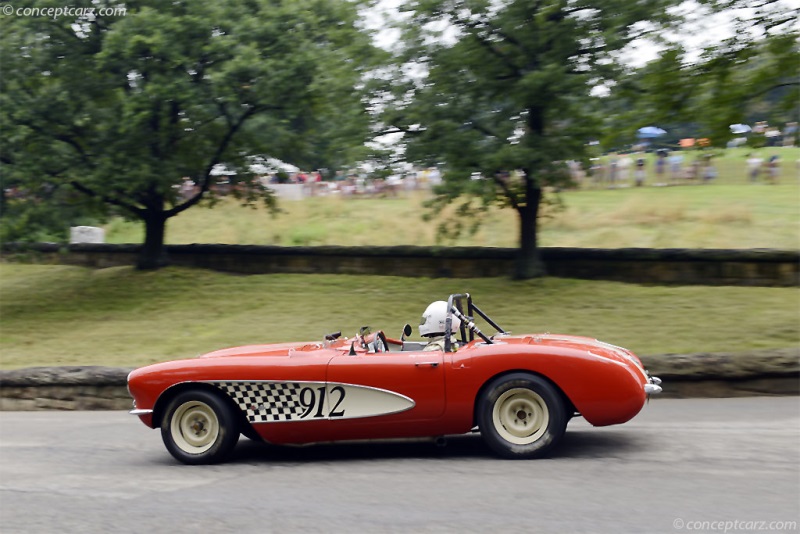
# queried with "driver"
point(432, 326)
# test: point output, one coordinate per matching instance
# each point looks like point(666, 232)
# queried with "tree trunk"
point(529, 263)
point(153, 255)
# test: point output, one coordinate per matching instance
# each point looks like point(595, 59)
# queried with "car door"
point(391, 386)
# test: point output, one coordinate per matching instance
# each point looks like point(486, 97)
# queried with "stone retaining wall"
point(662, 266)
point(753, 373)
point(65, 388)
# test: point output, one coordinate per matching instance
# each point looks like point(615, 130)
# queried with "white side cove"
point(273, 402)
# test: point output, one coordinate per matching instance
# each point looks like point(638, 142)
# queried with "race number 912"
point(313, 401)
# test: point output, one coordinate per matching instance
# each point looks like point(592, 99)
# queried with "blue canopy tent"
point(740, 128)
point(649, 132)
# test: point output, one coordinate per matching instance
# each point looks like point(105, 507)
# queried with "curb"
point(768, 372)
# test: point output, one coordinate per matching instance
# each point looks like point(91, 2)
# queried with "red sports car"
point(519, 391)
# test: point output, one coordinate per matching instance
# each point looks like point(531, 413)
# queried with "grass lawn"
point(63, 315)
point(730, 212)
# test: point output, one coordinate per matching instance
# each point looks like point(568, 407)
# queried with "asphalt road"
point(730, 465)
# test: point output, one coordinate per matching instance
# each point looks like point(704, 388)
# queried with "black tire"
point(521, 416)
point(199, 427)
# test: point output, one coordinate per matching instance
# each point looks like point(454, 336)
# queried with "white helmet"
point(433, 319)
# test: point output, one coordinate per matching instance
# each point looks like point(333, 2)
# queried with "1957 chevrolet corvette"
point(518, 391)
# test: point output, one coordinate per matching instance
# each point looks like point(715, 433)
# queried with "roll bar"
point(455, 307)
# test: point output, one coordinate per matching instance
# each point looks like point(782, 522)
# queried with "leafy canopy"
point(487, 87)
point(123, 108)
point(751, 75)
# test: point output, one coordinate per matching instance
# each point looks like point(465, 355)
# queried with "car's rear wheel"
point(199, 427)
point(521, 415)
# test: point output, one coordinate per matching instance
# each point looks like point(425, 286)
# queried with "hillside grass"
point(730, 212)
point(64, 315)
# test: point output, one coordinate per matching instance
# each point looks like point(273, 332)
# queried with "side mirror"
point(406, 332)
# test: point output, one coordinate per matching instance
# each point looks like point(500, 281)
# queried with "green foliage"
point(44, 214)
point(508, 87)
point(752, 76)
point(123, 108)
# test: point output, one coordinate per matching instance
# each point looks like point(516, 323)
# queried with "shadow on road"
point(576, 444)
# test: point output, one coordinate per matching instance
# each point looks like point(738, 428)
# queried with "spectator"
point(709, 171)
point(675, 163)
point(187, 188)
point(576, 173)
point(661, 165)
point(773, 169)
point(612, 169)
point(625, 163)
point(596, 171)
point(789, 134)
point(754, 164)
point(693, 170)
point(640, 170)
point(434, 177)
point(772, 135)
point(392, 185)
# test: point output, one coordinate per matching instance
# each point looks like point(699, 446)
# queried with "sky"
point(700, 31)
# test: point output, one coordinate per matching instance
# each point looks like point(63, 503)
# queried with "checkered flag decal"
point(263, 402)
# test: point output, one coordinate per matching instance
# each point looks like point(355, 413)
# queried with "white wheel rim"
point(194, 427)
point(520, 416)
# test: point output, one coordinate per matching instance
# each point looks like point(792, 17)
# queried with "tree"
point(502, 94)
point(123, 108)
point(750, 75)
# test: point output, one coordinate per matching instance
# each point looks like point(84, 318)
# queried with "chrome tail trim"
point(140, 412)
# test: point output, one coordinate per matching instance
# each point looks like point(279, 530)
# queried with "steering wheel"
point(380, 343)
point(376, 341)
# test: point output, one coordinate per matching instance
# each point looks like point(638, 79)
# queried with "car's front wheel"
point(521, 415)
point(199, 427)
